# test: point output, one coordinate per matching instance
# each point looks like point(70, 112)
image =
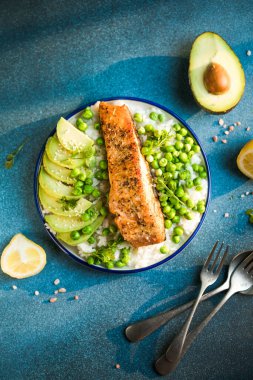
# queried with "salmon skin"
point(132, 199)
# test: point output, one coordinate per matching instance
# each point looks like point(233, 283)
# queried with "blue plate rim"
point(122, 271)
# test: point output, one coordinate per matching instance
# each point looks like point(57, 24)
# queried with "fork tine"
point(217, 256)
point(249, 267)
point(247, 261)
point(222, 260)
point(211, 254)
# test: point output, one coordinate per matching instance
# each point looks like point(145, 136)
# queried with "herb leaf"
point(10, 158)
point(68, 204)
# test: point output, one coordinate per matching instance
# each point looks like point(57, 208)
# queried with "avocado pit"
point(216, 79)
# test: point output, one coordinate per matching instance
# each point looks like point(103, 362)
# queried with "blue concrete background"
point(55, 56)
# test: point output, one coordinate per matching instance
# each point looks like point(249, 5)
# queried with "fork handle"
point(164, 365)
point(140, 330)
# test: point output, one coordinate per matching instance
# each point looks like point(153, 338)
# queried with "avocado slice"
point(62, 157)
point(65, 236)
point(216, 75)
point(71, 138)
point(55, 188)
point(56, 171)
point(56, 205)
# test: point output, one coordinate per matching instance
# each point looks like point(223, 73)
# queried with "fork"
point(208, 276)
point(241, 280)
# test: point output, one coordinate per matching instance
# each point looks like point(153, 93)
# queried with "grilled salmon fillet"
point(131, 198)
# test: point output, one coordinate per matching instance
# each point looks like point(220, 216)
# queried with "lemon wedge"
point(22, 257)
point(245, 160)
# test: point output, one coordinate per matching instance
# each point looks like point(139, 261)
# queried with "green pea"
point(163, 204)
point(147, 143)
point(176, 219)
point(158, 156)
point(170, 149)
point(177, 127)
point(87, 230)
point(141, 131)
point(100, 141)
point(201, 209)
point(171, 214)
point(163, 162)
point(189, 140)
point(182, 211)
point(138, 117)
point(190, 203)
point(178, 231)
point(195, 167)
point(176, 239)
point(103, 211)
point(96, 193)
point(75, 172)
point(183, 175)
point(109, 265)
point(125, 259)
point(88, 189)
point(179, 165)
point(183, 157)
point(149, 128)
point(198, 188)
point(163, 197)
point(90, 260)
point(81, 125)
point(85, 217)
point(183, 131)
point(203, 175)
point(87, 114)
point(82, 177)
point(105, 232)
point(75, 235)
point(191, 154)
point(79, 184)
point(103, 164)
point(171, 167)
point(197, 181)
point(177, 206)
point(77, 191)
point(179, 145)
point(150, 158)
point(119, 264)
point(89, 181)
point(91, 240)
point(158, 172)
point(187, 148)
point(167, 224)
point(179, 137)
point(97, 261)
point(155, 164)
point(97, 126)
point(180, 192)
point(185, 197)
point(161, 117)
point(153, 116)
point(113, 229)
point(188, 216)
point(158, 133)
point(166, 209)
point(164, 249)
point(196, 148)
point(168, 156)
point(145, 151)
point(189, 184)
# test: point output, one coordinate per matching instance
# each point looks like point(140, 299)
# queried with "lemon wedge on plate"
point(22, 257)
point(245, 160)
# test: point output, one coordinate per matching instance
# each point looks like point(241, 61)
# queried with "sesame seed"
point(14, 287)
point(248, 52)
point(53, 299)
point(242, 195)
point(231, 128)
point(247, 193)
point(215, 138)
point(221, 122)
point(238, 123)
point(248, 129)
point(224, 141)
point(226, 215)
point(36, 293)
point(57, 281)
point(226, 133)
point(214, 210)
point(117, 366)
point(224, 125)
point(56, 292)
point(62, 290)
point(76, 297)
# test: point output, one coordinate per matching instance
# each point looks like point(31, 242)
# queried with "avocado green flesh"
point(58, 172)
point(66, 238)
point(54, 205)
point(210, 47)
point(62, 157)
point(55, 188)
point(71, 138)
point(67, 224)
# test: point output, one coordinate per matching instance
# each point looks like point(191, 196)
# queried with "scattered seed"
point(238, 123)
point(247, 193)
point(53, 299)
point(248, 129)
point(57, 281)
point(231, 128)
point(14, 287)
point(62, 290)
point(243, 195)
point(36, 293)
point(224, 141)
point(248, 52)
point(56, 292)
point(221, 122)
point(215, 138)
point(117, 366)
point(226, 215)
point(76, 297)
point(226, 133)
point(224, 125)
point(214, 210)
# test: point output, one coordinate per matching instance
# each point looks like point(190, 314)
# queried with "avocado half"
point(216, 75)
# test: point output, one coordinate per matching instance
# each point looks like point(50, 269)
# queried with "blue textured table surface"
point(55, 56)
